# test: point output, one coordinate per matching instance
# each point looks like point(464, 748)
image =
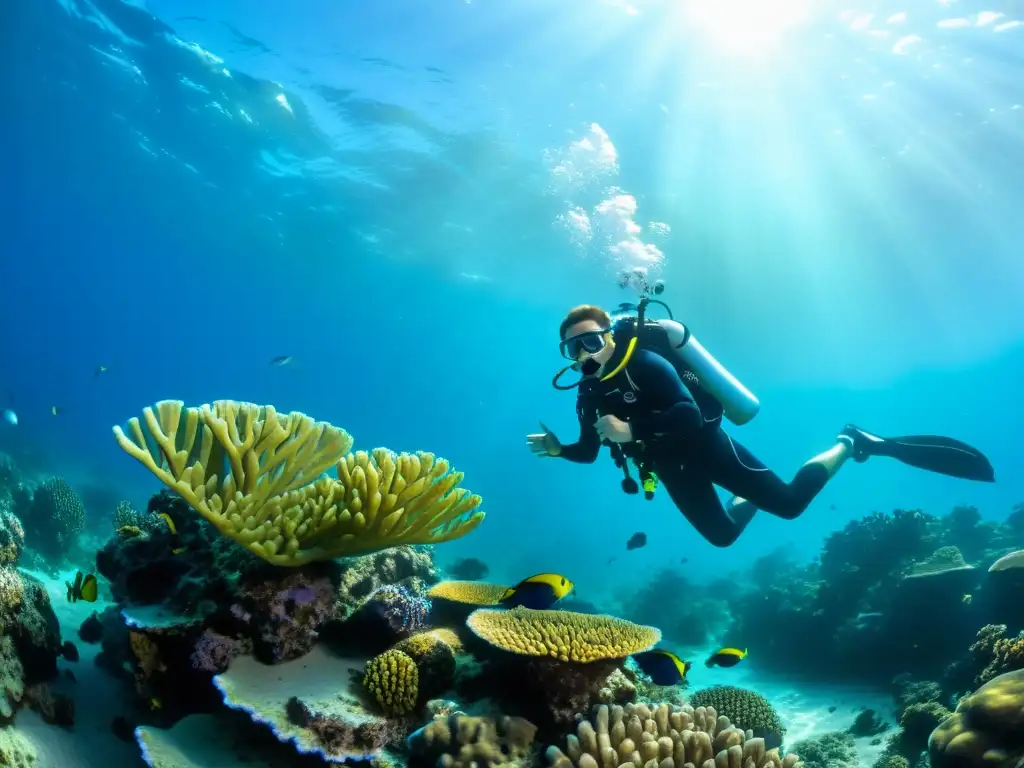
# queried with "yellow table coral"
point(258, 477)
point(563, 635)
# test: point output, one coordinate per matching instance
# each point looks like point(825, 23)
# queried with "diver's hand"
point(544, 443)
point(614, 429)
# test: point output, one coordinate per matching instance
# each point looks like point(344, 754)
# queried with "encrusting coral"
point(635, 736)
point(256, 476)
point(986, 730)
point(457, 740)
point(562, 635)
point(745, 709)
point(12, 536)
point(392, 678)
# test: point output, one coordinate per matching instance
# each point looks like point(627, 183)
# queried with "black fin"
point(935, 453)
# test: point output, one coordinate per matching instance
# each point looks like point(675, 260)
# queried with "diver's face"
point(589, 329)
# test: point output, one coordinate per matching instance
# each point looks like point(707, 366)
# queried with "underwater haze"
point(406, 197)
point(376, 215)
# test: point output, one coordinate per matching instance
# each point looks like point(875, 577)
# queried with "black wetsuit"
point(687, 448)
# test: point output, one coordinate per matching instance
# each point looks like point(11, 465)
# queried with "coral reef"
point(15, 750)
point(313, 703)
point(987, 728)
point(457, 740)
point(992, 653)
point(692, 621)
point(126, 516)
point(400, 609)
point(577, 637)
point(12, 536)
point(745, 709)
point(392, 678)
point(867, 723)
point(435, 653)
point(637, 736)
point(54, 519)
point(832, 750)
point(409, 567)
point(30, 640)
point(254, 474)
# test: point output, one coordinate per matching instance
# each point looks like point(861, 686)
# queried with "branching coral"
point(460, 741)
point(562, 635)
point(746, 709)
point(254, 475)
point(993, 653)
point(392, 678)
point(635, 735)
point(986, 730)
point(55, 518)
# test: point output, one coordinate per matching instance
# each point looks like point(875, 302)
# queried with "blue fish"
point(663, 667)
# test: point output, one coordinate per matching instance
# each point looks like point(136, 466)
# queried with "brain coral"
point(745, 709)
point(636, 736)
point(393, 680)
point(986, 730)
point(562, 635)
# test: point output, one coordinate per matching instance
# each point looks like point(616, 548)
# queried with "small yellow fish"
point(129, 531)
point(966, 599)
point(84, 588)
point(176, 548)
point(663, 667)
point(538, 592)
point(726, 657)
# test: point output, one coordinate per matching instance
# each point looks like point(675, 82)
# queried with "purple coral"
point(404, 611)
point(213, 652)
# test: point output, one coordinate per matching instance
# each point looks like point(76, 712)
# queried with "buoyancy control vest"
point(715, 390)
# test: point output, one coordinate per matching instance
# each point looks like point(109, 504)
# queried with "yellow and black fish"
point(663, 667)
point(176, 548)
point(726, 657)
point(84, 588)
point(538, 592)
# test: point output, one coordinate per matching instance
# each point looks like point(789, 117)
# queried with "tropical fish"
point(637, 540)
point(280, 361)
point(55, 409)
point(538, 592)
point(663, 667)
point(84, 588)
point(176, 548)
point(726, 657)
point(100, 369)
point(10, 417)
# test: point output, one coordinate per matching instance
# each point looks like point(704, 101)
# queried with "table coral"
point(479, 593)
point(313, 703)
point(635, 735)
point(257, 476)
point(460, 741)
point(942, 561)
point(562, 635)
point(986, 730)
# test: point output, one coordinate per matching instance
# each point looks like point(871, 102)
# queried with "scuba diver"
point(651, 393)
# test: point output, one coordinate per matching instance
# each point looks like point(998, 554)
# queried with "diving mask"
point(590, 342)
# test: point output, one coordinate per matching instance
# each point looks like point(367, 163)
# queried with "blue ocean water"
point(406, 197)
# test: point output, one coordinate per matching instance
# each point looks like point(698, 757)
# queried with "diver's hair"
point(584, 312)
